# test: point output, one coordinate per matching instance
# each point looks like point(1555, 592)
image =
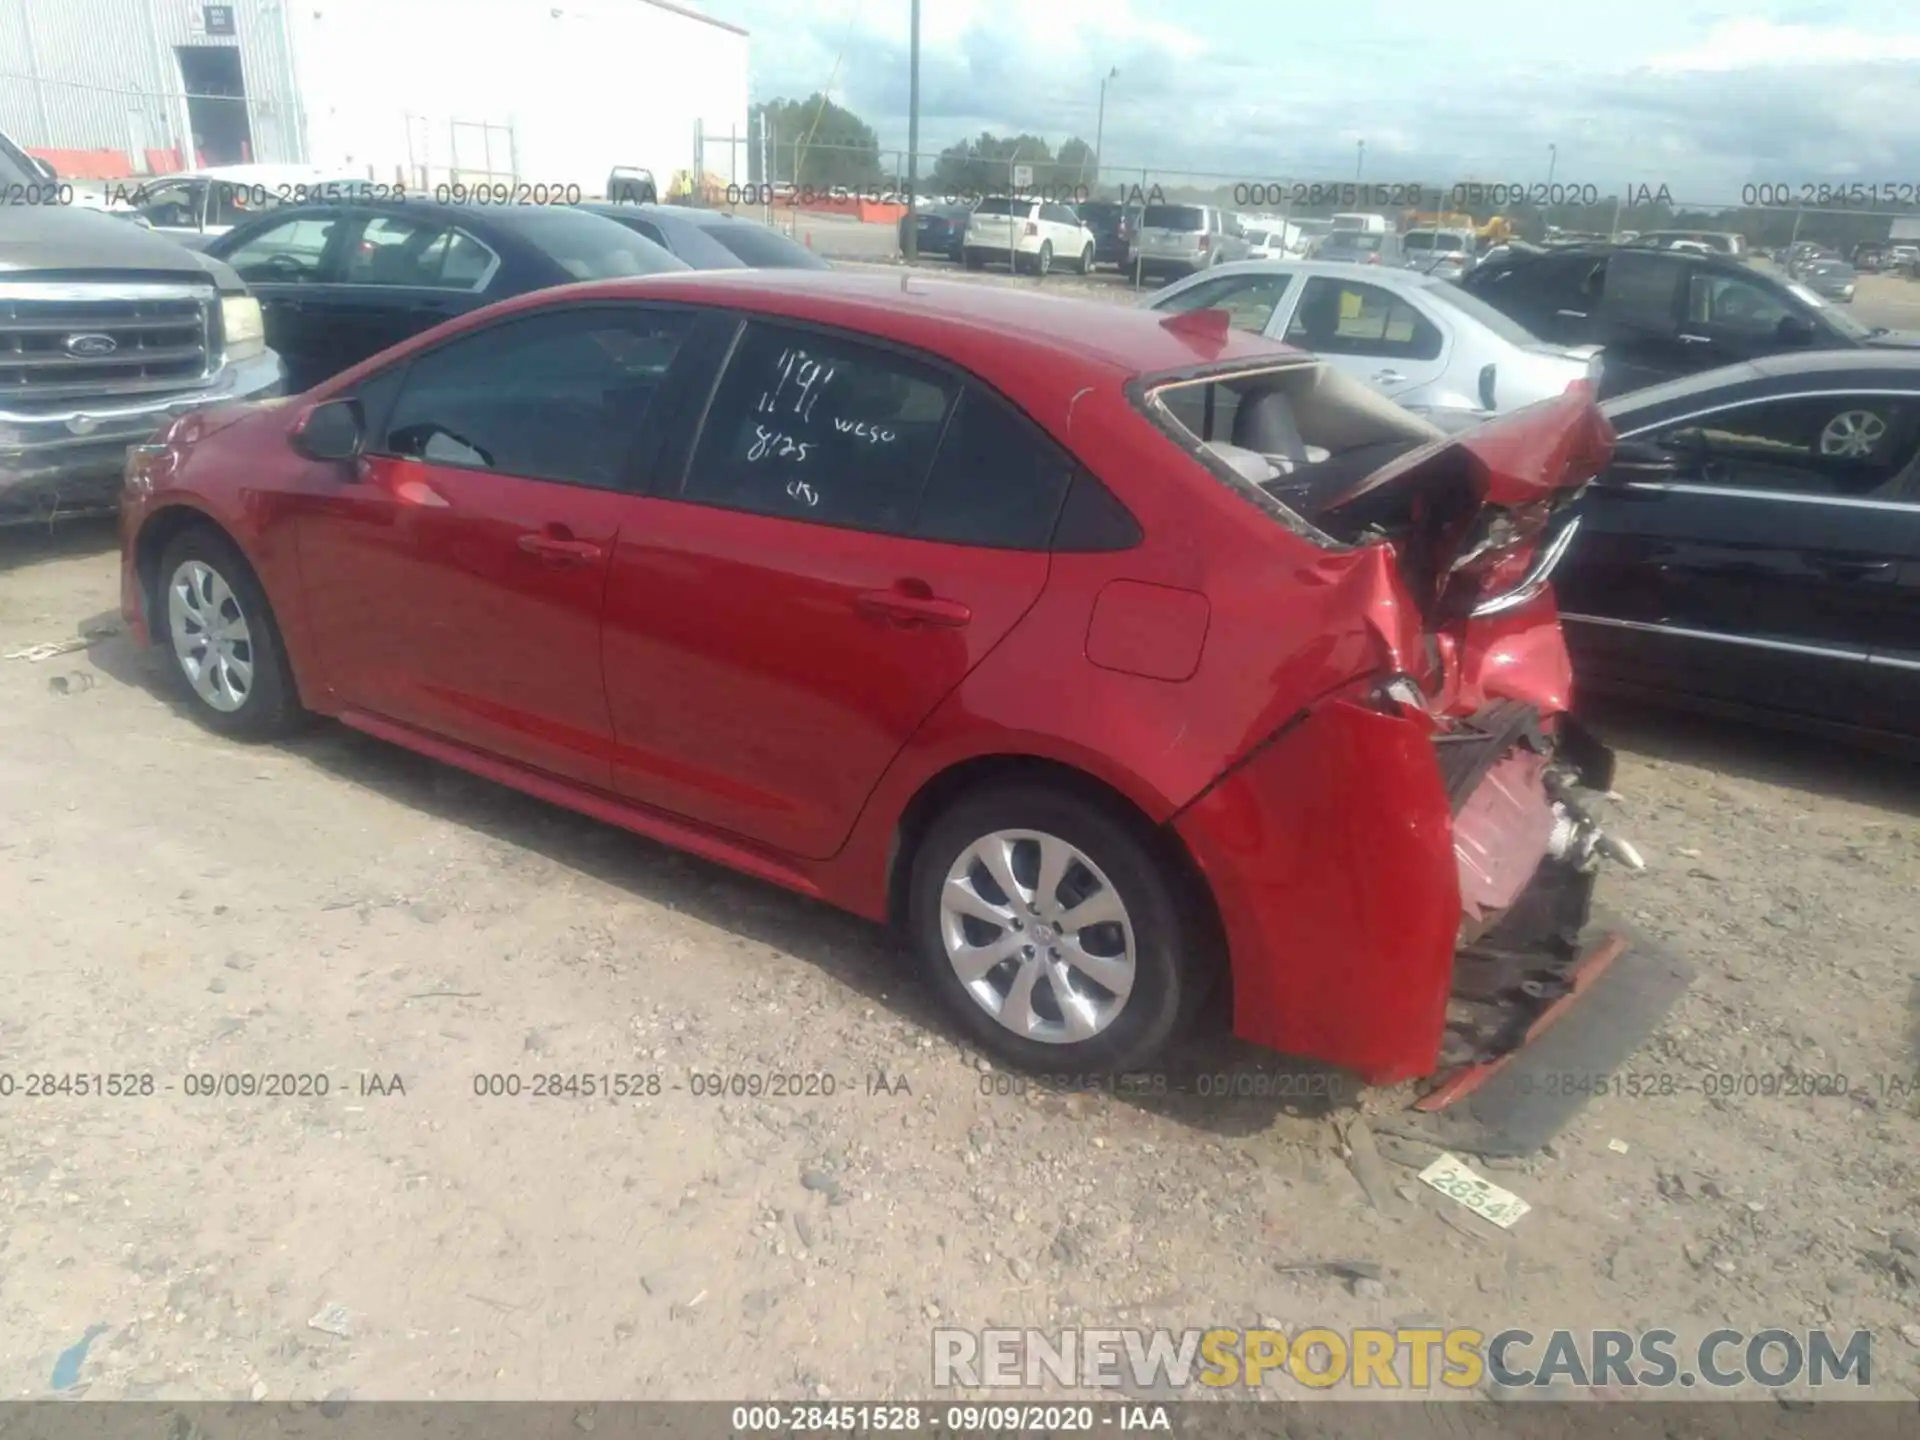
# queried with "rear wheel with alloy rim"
point(1853, 435)
point(1086, 261)
point(221, 635)
point(1051, 927)
point(1043, 262)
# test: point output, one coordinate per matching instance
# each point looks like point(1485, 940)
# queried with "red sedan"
point(1110, 656)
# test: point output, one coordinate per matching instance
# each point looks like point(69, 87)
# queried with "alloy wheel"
point(211, 638)
point(1038, 936)
point(1853, 434)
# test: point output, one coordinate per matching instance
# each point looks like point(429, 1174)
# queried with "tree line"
point(816, 143)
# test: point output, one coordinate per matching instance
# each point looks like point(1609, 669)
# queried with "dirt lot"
point(172, 904)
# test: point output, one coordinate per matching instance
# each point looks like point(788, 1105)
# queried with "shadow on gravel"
point(1811, 764)
point(1215, 1084)
point(22, 546)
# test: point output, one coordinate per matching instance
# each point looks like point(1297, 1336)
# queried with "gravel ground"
point(173, 904)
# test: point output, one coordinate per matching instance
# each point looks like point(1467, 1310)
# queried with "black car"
point(346, 279)
point(1113, 225)
point(1662, 314)
point(710, 239)
point(940, 228)
point(1754, 548)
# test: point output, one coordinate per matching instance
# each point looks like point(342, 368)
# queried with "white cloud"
point(1749, 44)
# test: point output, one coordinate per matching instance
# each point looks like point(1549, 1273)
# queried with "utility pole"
point(912, 246)
point(1100, 123)
point(1359, 159)
point(1553, 159)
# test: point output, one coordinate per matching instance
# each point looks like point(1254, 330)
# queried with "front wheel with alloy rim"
point(1052, 928)
point(221, 635)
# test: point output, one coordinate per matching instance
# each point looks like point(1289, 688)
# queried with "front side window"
point(290, 253)
point(1249, 299)
point(1851, 446)
point(818, 427)
point(176, 206)
point(1349, 317)
point(1728, 302)
point(559, 396)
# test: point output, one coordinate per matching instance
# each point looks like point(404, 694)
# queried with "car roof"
point(992, 330)
point(672, 214)
point(1337, 269)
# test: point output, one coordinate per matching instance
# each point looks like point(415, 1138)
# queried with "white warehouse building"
point(410, 91)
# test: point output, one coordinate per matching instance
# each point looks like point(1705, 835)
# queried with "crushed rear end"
point(1405, 868)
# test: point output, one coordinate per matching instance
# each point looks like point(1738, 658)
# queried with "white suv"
point(1032, 235)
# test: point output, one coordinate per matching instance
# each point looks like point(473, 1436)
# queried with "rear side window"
point(997, 480)
point(822, 428)
point(1641, 289)
point(1350, 317)
point(1174, 217)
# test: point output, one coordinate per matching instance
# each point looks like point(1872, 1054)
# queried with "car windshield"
point(1174, 217)
point(1835, 315)
point(1101, 211)
point(1433, 240)
point(1002, 205)
point(591, 247)
point(764, 249)
point(1354, 240)
point(1503, 326)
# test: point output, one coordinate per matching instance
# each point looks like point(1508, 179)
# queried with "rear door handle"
point(1572, 314)
point(902, 608)
point(560, 549)
point(1695, 340)
point(1387, 377)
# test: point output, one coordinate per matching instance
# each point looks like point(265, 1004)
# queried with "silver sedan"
point(1419, 340)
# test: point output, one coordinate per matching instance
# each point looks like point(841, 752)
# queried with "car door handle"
point(1572, 314)
point(902, 607)
point(1387, 377)
point(1695, 340)
point(560, 549)
point(1852, 569)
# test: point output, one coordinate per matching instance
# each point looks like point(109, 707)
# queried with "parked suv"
point(1662, 314)
point(1025, 234)
point(1113, 225)
point(1177, 240)
point(107, 332)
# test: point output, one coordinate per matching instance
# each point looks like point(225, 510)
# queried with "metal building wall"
point(103, 74)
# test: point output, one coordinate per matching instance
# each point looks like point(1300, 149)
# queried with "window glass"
point(760, 247)
point(996, 481)
point(1859, 446)
point(174, 207)
point(815, 427)
point(1640, 288)
point(1174, 217)
point(1349, 317)
point(559, 396)
point(394, 250)
point(1728, 302)
point(1249, 299)
point(286, 254)
point(589, 246)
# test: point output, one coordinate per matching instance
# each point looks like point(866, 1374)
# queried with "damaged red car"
point(1113, 658)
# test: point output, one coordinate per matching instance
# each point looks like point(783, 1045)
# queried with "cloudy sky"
point(1703, 97)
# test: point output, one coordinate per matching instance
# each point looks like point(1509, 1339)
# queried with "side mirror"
point(332, 431)
point(1795, 330)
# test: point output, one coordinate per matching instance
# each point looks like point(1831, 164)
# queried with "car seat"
point(1264, 422)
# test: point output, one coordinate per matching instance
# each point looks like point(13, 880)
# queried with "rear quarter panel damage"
point(1330, 854)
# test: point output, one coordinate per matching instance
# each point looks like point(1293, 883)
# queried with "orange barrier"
point(106, 164)
point(868, 212)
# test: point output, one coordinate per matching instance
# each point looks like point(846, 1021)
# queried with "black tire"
point(1086, 261)
point(1043, 262)
point(1172, 969)
point(271, 705)
point(971, 259)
